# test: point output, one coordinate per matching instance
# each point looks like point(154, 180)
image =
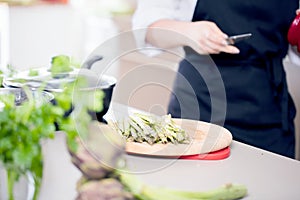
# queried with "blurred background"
point(39, 29)
point(32, 31)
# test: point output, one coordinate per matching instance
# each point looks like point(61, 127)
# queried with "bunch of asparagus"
point(151, 129)
point(100, 158)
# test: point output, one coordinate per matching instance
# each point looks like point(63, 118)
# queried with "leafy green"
point(60, 64)
point(33, 72)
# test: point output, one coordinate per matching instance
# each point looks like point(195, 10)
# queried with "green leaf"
point(60, 64)
point(33, 72)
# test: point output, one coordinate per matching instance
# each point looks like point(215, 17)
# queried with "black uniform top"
point(245, 92)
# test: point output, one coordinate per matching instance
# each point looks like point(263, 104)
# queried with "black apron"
point(246, 93)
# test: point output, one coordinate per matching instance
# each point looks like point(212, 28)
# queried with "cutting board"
point(216, 155)
point(205, 138)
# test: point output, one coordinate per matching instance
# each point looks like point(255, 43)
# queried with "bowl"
point(294, 33)
point(21, 96)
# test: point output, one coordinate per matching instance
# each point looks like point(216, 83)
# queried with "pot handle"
point(91, 60)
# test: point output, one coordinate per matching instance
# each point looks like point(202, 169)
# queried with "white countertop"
point(266, 175)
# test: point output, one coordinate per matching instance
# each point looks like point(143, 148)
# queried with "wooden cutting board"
point(205, 138)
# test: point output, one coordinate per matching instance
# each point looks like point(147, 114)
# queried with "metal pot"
point(103, 82)
point(106, 83)
point(21, 96)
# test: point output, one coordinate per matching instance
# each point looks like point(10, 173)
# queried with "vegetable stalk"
point(11, 177)
point(145, 192)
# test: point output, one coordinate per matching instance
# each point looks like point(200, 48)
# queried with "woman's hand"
point(206, 38)
point(298, 11)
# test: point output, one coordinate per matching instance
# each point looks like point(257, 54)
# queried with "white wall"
point(39, 32)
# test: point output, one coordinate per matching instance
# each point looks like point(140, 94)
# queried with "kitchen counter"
point(266, 175)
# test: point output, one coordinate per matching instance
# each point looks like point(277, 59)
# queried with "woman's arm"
point(204, 36)
point(150, 11)
point(166, 24)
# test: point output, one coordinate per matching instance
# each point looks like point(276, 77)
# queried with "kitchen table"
point(266, 175)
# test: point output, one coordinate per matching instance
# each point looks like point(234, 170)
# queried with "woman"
point(241, 86)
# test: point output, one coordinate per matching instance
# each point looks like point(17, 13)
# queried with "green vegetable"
point(60, 64)
point(22, 128)
point(145, 192)
point(33, 72)
point(151, 129)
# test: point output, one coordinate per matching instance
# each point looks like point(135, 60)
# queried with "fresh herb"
point(22, 128)
point(151, 129)
point(33, 72)
point(60, 64)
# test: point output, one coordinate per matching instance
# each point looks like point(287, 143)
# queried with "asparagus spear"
point(145, 192)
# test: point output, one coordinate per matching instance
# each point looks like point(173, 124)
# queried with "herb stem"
point(37, 187)
point(11, 177)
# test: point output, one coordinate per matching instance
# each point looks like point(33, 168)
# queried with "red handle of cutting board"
point(216, 155)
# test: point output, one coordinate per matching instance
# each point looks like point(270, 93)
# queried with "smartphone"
point(237, 38)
